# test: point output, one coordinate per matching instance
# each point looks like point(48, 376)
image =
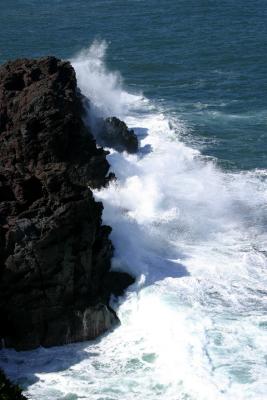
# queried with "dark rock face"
point(114, 133)
point(54, 252)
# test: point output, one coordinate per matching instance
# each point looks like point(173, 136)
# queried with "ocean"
point(188, 211)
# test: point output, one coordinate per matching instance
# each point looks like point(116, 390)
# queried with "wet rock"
point(55, 253)
point(114, 133)
point(116, 282)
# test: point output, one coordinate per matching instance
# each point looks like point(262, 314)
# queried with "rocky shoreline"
point(55, 253)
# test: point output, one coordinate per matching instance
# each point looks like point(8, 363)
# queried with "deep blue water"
point(194, 325)
point(201, 60)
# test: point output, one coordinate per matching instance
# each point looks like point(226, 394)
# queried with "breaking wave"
point(194, 324)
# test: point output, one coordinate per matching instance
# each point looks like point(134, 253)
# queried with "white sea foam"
point(194, 324)
point(102, 87)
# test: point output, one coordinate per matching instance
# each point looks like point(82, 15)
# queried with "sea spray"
point(194, 325)
point(103, 87)
point(179, 215)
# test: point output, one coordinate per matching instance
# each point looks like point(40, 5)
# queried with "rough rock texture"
point(114, 133)
point(54, 252)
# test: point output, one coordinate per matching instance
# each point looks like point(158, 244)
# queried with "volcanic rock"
point(55, 253)
point(114, 133)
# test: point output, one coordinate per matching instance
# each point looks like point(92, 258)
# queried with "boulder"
point(114, 133)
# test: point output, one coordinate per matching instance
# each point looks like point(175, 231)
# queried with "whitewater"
point(194, 325)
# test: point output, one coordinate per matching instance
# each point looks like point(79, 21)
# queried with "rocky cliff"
point(55, 253)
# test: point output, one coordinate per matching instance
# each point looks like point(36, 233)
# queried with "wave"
point(102, 87)
point(193, 326)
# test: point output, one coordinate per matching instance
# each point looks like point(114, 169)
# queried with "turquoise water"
point(204, 61)
point(188, 211)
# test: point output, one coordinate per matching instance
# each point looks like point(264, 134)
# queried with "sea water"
point(188, 211)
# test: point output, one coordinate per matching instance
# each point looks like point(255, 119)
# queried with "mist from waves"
point(194, 324)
